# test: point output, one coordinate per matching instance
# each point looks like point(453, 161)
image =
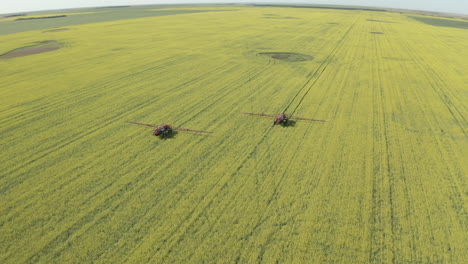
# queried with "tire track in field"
point(382, 244)
point(318, 72)
point(398, 98)
point(392, 97)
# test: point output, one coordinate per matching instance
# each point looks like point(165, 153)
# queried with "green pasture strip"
point(335, 7)
point(11, 27)
point(440, 22)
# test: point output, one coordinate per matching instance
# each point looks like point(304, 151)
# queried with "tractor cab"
point(163, 131)
point(281, 119)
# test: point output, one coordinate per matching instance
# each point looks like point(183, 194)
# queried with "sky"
point(444, 6)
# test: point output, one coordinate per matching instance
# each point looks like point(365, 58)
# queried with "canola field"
point(383, 180)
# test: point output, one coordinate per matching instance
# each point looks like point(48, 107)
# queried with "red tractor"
point(166, 131)
point(283, 119)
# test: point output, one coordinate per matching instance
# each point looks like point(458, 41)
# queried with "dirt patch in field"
point(40, 47)
point(379, 33)
point(333, 23)
point(56, 30)
point(396, 59)
point(275, 16)
point(382, 21)
point(283, 17)
point(287, 56)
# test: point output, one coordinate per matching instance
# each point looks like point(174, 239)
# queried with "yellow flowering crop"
point(383, 180)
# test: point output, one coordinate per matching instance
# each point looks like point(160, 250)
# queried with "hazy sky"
point(448, 6)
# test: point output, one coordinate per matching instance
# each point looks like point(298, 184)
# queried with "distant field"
point(335, 7)
point(442, 22)
point(41, 15)
point(10, 25)
point(383, 180)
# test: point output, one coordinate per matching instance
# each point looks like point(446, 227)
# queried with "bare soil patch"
point(275, 16)
point(283, 17)
point(396, 59)
point(382, 21)
point(56, 30)
point(287, 56)
point(40, 47)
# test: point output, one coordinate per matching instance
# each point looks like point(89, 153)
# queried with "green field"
point(384, 180)
point(29, 22)
point(456, 23)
